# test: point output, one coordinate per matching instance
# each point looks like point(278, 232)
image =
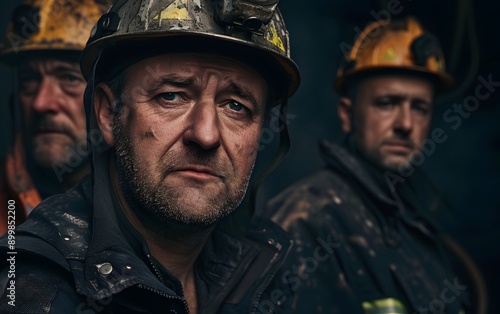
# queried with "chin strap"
point(281, 154)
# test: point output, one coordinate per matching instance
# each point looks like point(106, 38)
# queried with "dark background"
point(465, 168)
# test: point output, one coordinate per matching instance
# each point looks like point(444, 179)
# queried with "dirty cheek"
point(249, 151)
point(239, 149)
point(145, 129)
point(148, 134)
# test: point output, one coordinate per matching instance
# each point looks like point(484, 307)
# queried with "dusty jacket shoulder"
point(355, 243)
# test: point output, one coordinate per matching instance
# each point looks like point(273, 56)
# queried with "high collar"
point(413, 197)
point(225, 260)
point(347, 162)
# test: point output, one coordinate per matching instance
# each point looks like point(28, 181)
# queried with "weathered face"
point(51, 96)
point(187, 137)
point(389, 118)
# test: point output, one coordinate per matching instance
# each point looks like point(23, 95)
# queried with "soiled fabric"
point(73, 259)
point(364, 243)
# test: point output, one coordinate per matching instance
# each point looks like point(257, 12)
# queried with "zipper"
point(167, 296)
point(158, 274)
point(255, 301)
point(232, 283)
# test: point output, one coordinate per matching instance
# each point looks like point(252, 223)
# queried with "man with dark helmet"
point(176, 100)
point(43, 44)
point(363, 239)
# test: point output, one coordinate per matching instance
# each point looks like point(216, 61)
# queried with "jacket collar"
point(80, 232)
point(415, 192)
point(225, 259)
point(350, 165)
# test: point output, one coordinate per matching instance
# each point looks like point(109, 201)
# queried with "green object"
point(384, 306)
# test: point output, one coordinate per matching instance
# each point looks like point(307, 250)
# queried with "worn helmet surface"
point(50, 25)
point(394, 45)
point(132, 29)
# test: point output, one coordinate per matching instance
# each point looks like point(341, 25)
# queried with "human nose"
point(404, 119)
point(46, 97)
point(204, 128)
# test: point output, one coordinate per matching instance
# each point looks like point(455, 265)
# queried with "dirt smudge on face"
point(239, 148)
point(149, 134)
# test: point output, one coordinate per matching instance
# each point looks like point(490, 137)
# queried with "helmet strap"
point(237, 223)
point(283, 149)
point(15, 104)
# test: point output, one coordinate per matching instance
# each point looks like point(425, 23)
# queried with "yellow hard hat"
point(50, 25)
point(401, 45)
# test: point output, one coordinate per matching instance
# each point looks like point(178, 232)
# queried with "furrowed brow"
point(243, 92)
point(172, 80)
point(392, 97)
point(62, 69)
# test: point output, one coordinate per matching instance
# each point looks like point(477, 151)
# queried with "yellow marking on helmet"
point(177, 10)
point(439, 64)
point(390, 54)
point(273, 38)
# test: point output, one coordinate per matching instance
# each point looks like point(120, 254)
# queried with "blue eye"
point(169, 96)
point(71, 78)
point(236, 106)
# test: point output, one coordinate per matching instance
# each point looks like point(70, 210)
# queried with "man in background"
point(363, 241)
point(43, 44)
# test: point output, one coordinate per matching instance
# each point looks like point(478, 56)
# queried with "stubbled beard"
point(160, 207)
point(50, 151)
point(398, 166)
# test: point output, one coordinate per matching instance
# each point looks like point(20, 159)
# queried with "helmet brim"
point(442, 81)
point(169, 42)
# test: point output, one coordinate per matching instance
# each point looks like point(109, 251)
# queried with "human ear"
point(344, 111)
point(104, 108)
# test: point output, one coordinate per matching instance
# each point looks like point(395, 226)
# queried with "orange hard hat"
point(50, 25)
point(401, 45)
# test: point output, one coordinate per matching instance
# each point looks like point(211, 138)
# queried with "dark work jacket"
point(71, 259)
point(361, 245)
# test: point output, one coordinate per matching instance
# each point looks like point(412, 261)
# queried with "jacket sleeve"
point(32, 285)
point(313, 268)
